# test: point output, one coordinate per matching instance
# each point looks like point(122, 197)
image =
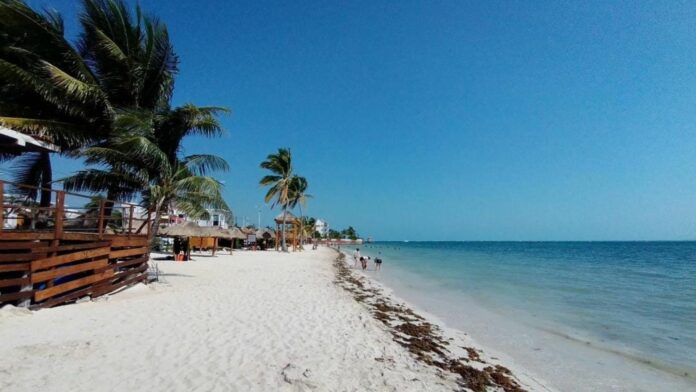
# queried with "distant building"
point(322, 227)
point(218, 218)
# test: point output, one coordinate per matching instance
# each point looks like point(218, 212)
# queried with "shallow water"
point(637, 299)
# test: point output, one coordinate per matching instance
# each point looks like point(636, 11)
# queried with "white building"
point(218, 218)
point(322, 227)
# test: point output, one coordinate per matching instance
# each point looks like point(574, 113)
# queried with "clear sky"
point(452, 120)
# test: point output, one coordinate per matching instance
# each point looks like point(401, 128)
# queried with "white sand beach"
point(257, 321)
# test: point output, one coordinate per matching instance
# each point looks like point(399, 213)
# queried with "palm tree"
point(298, 197)
point(47, 90)
point(280, 164)
point(143, 160)
point(70, 95)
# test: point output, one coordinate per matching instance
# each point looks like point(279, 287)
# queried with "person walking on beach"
point(378, 262)
point(356, 258)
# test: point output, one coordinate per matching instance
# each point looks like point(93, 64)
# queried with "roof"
point(289, 218)
point(236, 233)
point(20, 142)
point(187, 229)
point(266, 233)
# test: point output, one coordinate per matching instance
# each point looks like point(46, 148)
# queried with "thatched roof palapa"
point(234, 232)
point(265, 233)
point(287, 218)
point(187, 229)
point(214, 231)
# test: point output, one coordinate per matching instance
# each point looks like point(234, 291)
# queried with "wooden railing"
point(108, 216)
point(50, 255)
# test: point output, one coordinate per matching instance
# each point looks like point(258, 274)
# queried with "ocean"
point(633, 299)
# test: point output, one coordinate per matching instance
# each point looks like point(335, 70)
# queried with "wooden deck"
point(47, 260)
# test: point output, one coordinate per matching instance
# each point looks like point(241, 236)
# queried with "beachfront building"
point(322, 227)
point(217, 218)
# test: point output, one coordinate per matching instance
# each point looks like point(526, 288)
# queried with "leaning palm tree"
point(280, 165)
point(298, 198)
point(46, 89)
point(69, 94)
point(133, 165)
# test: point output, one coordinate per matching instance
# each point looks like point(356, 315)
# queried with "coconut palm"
point(143, 161)
point(69, 95)
point(280, 165)
point(297, 197)
point(46, 89)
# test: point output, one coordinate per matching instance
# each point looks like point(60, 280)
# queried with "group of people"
point(358, 258)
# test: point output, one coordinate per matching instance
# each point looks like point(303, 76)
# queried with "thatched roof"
point(265, 233)
point(234, 232)
point(186, 229)
point(286, 217)
point(214, 231)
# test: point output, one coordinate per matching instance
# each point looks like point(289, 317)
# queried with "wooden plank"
point(15, 296)
point(15, 267)
point(99, 291)
point(26, 235)
point(63, 248)
point(124, 241)
point(20, 245)
point(14, 282)
point(15, 257)
point(63, 299)
point(128, 252)
point(96, 290)
point(74, 236)
point(75, 284)
point(64, 271)
point(68, 258)
point(129, 263)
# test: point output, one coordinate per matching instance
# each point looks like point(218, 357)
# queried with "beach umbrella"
point(286, 217)
point(235, 233)
point(264, 233)
point(187, 229)
point(214, 231)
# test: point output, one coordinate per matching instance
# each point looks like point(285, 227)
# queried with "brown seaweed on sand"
point(422, 338)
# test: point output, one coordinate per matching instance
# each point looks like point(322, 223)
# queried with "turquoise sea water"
point(635, 298)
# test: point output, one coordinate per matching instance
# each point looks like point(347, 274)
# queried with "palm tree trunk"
point(156, 221)
point(302, 228)
point(285, 214)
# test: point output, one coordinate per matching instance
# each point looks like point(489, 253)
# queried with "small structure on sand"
point(292, 230)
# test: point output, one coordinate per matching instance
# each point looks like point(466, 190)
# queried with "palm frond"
point(202, 164)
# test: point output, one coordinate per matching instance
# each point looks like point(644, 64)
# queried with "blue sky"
point(452, 120)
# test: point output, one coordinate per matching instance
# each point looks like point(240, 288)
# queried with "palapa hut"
point(292, 230)
point(264, 237)
point(210, 236)
point(185, 230)
point(235, 233)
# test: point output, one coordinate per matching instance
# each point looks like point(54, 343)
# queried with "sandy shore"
point(252, 321)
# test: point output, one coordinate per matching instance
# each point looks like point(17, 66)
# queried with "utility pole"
point(258, 209)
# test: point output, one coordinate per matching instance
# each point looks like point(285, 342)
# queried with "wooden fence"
point(53, 255)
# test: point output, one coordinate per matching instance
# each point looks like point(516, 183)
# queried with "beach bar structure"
point(52, 255)
point(292, 230)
